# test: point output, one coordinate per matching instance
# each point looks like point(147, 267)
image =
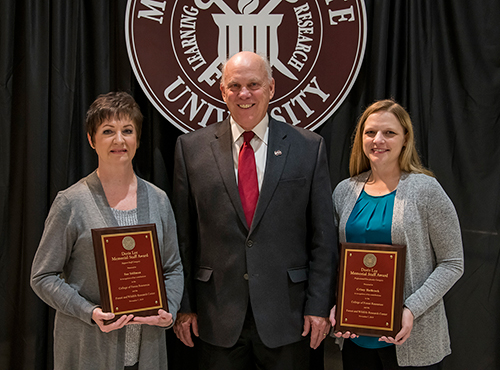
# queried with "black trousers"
point(355, 357)
point(249, 353)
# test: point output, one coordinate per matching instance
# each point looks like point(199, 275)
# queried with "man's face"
point(246, 89)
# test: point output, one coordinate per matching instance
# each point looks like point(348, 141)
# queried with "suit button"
point(245, 276)
point(249, 243)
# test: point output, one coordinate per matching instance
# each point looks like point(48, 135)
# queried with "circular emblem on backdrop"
point(176, 49)
point(128, 243)
point(370, 260)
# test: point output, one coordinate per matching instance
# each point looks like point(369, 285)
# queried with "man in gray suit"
point(259, 271)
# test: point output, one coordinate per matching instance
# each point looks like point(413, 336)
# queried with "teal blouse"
point(370, 222)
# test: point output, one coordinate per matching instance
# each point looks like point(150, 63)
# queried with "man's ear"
point(222, 91)
point(271, 89)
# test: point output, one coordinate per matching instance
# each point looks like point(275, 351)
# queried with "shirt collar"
point(261, 130)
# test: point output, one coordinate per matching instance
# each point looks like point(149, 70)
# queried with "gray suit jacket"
point(284, 265)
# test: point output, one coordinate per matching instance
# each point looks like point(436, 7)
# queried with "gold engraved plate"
point(123, 255)
point(370, 289)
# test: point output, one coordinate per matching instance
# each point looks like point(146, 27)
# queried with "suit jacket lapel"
point(222, 147)
point(277, 152)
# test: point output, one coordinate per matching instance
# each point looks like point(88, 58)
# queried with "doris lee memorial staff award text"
point(370, 291)
point(129, 270)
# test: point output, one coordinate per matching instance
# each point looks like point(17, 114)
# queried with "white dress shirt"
point(259, 144)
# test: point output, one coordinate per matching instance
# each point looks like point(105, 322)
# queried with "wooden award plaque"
point(370, 289)
point(129, 270)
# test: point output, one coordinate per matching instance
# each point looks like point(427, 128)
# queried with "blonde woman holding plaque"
point(391, 198)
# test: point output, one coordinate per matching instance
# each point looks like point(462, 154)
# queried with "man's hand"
point(183, 325)
point(98, 316)
point(404, 333)
point(163, 319)
point(319, 328)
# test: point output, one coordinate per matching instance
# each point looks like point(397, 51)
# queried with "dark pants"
point(355, 357)
point(249, 353)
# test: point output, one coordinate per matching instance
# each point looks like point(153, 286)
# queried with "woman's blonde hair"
point(409, 161)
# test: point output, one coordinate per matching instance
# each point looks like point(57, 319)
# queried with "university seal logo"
point(176, 49)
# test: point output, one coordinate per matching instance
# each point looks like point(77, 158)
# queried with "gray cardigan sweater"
point(425, 220)
point(64, 275)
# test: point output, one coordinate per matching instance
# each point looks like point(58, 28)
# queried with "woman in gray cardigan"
point(391, 199)
point(64, 273)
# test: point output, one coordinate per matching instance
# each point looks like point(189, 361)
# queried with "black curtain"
point(440, 59)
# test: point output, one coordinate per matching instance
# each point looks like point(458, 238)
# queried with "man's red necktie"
point(248, 184)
